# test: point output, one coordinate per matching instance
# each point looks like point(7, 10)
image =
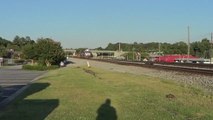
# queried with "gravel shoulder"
point(198, 81)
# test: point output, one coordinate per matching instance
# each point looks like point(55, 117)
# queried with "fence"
point(7, 62)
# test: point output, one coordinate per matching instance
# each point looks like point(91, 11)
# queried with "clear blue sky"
point(94, 23)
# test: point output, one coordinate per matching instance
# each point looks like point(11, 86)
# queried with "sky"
point(95, 23)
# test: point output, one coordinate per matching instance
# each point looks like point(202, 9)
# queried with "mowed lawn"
point(81, 93)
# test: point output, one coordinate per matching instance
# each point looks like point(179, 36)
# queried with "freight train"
point(178, 58)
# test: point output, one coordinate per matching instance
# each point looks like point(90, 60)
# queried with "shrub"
point(39, 67)
point(17, 61)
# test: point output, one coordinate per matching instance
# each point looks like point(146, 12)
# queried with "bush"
point(17, 61)
point(39, 67)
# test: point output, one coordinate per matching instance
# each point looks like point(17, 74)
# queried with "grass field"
point(81, 93)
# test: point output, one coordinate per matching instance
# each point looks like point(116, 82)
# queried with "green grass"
point(73, 94)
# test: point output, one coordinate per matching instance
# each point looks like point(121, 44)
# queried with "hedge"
point(39, 67)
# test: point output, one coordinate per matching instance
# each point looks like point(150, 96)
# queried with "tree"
point(28, 40)
point(3, 51)
point(4, 42)
point(180, 48)
point(46, 51)
point(49, 52)
point(99, 48)
point(205, 47)
point(111, 47)
point(196, 51)
point(17, 41)
point(21, 41)
point(201, 49)
point(13, 46)
point(29, 52)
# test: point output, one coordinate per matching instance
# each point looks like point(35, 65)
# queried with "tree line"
point(44, 51)
point(201, 48)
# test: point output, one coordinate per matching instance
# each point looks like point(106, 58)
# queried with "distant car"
point(62, 64)
point(1, 61)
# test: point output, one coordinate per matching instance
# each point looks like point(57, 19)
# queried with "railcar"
point(177, 58)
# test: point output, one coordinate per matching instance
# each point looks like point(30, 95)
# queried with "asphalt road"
point(13, 79)
point(17, 76)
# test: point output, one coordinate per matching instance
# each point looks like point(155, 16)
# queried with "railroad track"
point(189, 68)
point(194, 70)
point(210, 66)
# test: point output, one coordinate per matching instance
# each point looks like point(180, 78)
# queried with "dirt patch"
point(170, 96)
point(90, 72)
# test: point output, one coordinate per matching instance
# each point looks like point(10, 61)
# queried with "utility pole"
point(211, 51)
point(133, 53)
point(188, 52)
point(211, 39)
point(119, 46)
point(159, 45)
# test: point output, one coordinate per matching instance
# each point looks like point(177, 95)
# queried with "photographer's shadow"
point(106, 111)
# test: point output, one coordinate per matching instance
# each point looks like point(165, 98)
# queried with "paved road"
point(17, 76)
point(13, 79)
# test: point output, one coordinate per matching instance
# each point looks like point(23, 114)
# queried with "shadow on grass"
point(34, 88)
point(106, 111)
point(30, 109)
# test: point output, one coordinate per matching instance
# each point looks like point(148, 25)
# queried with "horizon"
point(112, 43)
point(93, 23)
